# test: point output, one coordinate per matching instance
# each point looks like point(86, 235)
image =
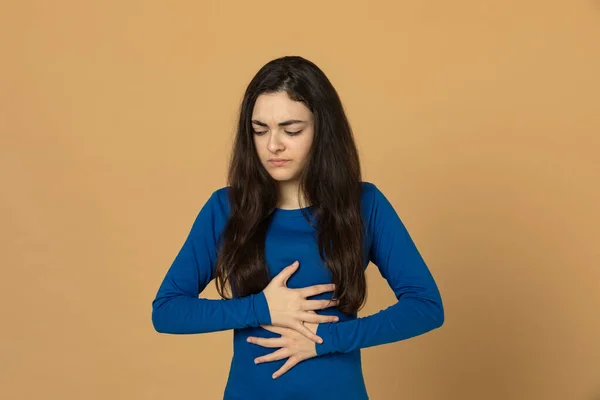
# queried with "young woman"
point(288, 241)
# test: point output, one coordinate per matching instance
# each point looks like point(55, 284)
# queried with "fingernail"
point(274, 376)
point(256, 361)
point(320, 341)
point(249, 340)
point(336, 319)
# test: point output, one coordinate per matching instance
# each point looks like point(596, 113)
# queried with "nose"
point(274, 144)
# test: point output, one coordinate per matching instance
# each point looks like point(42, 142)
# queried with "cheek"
point(305, 147)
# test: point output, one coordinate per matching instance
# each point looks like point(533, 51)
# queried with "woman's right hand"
point(289, 307)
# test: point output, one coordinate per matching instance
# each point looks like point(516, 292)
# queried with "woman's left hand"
point(292, 345)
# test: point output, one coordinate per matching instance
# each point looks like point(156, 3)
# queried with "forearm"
point(182, 314)
point(409, 317)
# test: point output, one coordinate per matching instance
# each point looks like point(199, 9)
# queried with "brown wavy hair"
point(330, 182)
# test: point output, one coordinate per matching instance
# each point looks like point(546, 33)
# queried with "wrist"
point(261, 309)
point(326, 331)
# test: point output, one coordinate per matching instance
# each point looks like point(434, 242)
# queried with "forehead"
point(275, 107)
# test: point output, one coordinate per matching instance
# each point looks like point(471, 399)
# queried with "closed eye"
point(259, 133)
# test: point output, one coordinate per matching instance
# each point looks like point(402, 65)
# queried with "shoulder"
point(371, 194)
point(214, 211)
point(368, 188)
point(218, 201)
point(221, 194)
point(374, 203)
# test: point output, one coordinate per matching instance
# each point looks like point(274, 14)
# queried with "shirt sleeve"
point(177, 308)
point(419, 306)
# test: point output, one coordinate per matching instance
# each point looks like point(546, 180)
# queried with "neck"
point(288, 196)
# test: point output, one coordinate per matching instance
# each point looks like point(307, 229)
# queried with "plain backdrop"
point(479, 120)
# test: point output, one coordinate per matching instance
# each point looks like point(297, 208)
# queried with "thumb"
point(287, 272)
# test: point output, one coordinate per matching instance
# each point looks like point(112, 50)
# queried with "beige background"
point(479, 120)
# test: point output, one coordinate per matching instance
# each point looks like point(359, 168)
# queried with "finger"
point(319, 319)
point(301, 328)
point(319, 304)
point(285, 273)
point(275, 329)
point(276, 355)
point(270, 343)
point(291, 362)
point(316, 289)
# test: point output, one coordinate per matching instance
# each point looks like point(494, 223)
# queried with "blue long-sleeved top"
point(336, 372)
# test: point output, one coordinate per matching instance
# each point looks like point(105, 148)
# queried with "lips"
point(278, 162)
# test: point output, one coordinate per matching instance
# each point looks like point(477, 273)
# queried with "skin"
point(291, 345)
point(284, 129)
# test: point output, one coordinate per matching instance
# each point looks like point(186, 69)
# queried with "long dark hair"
point(330, 182)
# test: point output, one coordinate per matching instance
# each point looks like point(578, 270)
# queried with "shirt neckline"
point(292, 213)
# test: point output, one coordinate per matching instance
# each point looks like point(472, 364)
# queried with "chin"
point(282, 176)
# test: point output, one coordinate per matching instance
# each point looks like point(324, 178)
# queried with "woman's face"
point(283, 134)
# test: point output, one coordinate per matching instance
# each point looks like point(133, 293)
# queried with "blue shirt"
point(336, 372)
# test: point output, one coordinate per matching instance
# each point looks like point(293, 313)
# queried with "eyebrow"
point(284, 123)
